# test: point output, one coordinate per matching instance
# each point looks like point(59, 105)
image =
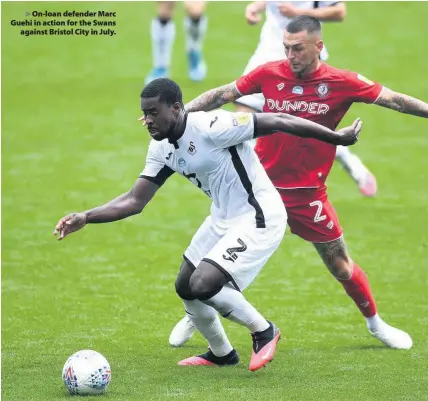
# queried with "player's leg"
point(353, 165)
point(202, 242)
point(229, 268)
point(163, 36)
point(206, 319)
point(312, 217)
point(195, 27)
point(356, 284)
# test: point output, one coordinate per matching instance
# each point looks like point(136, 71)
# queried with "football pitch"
point(71, 141)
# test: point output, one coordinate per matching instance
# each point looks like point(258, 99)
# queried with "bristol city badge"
point(322, 90)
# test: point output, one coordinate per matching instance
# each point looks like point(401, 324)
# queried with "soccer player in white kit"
point(247, 220)
point(271, 48)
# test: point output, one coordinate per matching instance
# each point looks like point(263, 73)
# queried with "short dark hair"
point(167, 90)
point(303, 23)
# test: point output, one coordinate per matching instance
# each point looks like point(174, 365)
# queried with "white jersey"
point(213, 155)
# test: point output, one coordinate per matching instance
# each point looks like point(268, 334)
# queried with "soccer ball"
point(86, 372)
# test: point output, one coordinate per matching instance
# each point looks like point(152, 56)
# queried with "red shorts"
point(311, 216)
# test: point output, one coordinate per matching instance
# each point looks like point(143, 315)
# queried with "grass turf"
point(70, 141)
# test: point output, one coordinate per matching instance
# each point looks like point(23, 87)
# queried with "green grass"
point(70, 141)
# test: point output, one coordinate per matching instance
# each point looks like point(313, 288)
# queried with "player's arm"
point(125, 205)
point(214, 98)
point(269, 123)
point(402, 103)
point(326, 11)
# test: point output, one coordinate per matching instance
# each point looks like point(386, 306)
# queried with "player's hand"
point(142, 120)
point(288, 10)
point(69, 224)
point(349, 135)
point(252, 14)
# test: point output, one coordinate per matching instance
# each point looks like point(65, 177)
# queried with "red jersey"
point(323, 97)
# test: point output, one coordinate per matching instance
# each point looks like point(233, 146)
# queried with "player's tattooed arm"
point(125, 205)
point(214, 98)
point(402, 103)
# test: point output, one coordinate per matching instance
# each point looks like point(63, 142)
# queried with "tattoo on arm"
point(330, 251)
point(402, 103)
point(214, 98)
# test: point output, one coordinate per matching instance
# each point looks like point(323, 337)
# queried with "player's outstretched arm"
point(268, 123)
point(128, 204)
point(214, 98)
point(335, 12)
point(402, 103)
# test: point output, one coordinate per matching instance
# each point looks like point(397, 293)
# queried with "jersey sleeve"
point(229, 129)
point(251, 83)
point(361, 89)
point(155, 169)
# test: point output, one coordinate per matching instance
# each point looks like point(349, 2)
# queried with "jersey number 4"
point(318, 217)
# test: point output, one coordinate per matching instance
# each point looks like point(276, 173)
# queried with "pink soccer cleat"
point(264, 347)
point(209, 359)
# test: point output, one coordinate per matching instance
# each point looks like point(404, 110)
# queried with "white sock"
point(163, 37)
point(374, 322)
point(232, 305)
point(195, 33)
point(351, 163)
point(206, 320)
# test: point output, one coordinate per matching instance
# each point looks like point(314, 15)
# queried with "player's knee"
point(195, 9)
point(166, 9)
point(201, 288)
point(183, 290)
point(341, 268)
point(182, 282)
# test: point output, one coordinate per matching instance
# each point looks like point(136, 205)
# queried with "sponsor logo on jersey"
point(322, 90)
point(298, 106)
point(181, 162)
point(280, 86)
point(169, 156)
point(364, 79)
point(192, 149)
point(240, 119)
point(297, 90)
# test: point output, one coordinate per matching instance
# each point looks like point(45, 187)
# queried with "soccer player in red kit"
point(304, 86)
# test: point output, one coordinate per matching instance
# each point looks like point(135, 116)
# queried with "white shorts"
point(270, 48)
point(240, 250)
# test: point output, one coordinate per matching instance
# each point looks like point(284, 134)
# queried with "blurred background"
point(71, 141)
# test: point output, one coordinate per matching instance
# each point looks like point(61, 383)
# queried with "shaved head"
point(304, 23)
point(303, 44)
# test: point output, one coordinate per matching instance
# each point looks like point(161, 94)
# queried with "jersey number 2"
point(318, 217)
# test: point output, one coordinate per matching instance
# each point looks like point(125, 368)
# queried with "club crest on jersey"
point(280, 86)
point(192, 149)
point(297, 90)
point(322, 90)
point(181, 162)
